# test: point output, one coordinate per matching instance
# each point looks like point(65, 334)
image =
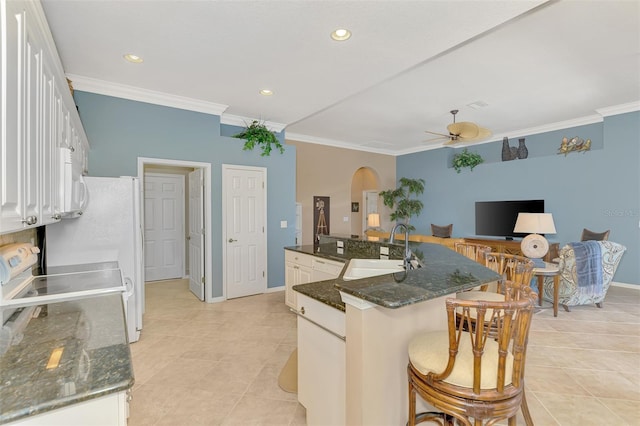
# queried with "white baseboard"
point(269, 290)
point(625, 285)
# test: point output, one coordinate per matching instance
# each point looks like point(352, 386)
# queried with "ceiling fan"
point(464, 131)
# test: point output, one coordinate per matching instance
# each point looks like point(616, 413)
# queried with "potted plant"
point(400, 199)
point(257, 134)
point(466, 159)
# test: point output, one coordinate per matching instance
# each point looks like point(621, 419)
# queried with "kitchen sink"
point(363, 268)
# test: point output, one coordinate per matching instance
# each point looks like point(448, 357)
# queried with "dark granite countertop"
point(444, 272)
point(353, 249)
point(95, 358)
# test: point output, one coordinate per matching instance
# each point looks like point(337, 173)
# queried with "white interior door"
point(245, 240)
point(163, 226)
point(196, 234)
point(370, 203)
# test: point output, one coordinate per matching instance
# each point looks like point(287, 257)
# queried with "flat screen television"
point(498, 218)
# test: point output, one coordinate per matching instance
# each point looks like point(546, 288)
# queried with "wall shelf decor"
point(513, 153)
point(574, 144)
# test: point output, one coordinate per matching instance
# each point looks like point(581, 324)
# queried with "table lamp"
point(373, 221)
point(535, 246)
point(373, 224)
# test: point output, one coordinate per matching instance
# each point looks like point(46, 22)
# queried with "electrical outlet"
point(283, 224)
point(345, 219)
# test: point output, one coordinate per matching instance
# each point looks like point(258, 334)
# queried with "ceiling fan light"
point(464, 129)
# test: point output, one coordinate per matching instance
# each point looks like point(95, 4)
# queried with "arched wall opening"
point(365, 185)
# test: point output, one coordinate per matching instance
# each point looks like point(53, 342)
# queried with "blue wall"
point(120, 131)
point(598, 189)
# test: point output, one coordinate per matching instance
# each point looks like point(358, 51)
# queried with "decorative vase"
point(506, 151)
point(523, 152)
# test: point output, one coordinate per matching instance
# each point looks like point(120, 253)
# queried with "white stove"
point(19, 287)
point(21, 292)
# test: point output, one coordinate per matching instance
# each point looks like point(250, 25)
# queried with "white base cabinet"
point(302, 268)
point(297, 270)
point(112, 410)
point(321, 362)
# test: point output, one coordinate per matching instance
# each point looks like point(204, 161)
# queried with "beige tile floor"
point(217, 364)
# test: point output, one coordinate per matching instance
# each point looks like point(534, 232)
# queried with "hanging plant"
point(466, 159)
point(258, 134)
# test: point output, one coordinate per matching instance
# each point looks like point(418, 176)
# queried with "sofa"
point(573, 294)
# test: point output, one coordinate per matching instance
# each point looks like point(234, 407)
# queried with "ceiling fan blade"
point(435, 133)
point(435, 139)
point(464, 129)
point(483, 133)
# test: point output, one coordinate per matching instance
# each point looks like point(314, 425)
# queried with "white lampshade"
point(535, 223)
point(373, 220)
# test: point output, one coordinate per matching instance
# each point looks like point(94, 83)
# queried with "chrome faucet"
point(407, 252)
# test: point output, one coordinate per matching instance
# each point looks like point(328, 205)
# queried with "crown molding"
point(101, 87)
point(619, 109)
point(241, 121)
point(299, 137)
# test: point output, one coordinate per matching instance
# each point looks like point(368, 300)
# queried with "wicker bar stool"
point(472, 251)
point(475, 368)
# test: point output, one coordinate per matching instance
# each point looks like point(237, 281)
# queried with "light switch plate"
point(283, 224)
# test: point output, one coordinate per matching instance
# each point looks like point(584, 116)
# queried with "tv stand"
point(512, 247)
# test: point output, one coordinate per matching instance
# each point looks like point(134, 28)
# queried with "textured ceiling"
point(535, 64)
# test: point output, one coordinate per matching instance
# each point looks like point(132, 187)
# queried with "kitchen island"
point(380, 316)
point(70, 365)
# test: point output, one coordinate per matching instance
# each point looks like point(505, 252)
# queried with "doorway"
point(365, 185)
point(198, 206)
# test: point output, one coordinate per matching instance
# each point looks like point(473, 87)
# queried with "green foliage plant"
point(257, 134)
point(466, 159)
point(401, 199)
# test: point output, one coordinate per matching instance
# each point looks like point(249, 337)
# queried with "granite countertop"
point(95, 358)
point(444, 272)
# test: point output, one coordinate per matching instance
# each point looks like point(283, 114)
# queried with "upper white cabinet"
point(38, 115)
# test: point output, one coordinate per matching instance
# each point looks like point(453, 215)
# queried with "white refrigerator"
point(109, 230)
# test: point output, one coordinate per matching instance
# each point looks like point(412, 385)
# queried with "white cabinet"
point(38, 115)
point(321, 362)
point(302, 268)
point(297, 270)
point(322, 269)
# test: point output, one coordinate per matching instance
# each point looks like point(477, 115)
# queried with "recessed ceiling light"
point(341, 34)
point(133, 58)
point(266, 92)
point(478, 104)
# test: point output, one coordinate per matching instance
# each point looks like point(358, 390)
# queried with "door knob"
point(231, 240)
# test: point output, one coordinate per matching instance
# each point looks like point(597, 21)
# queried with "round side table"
point(549, 270)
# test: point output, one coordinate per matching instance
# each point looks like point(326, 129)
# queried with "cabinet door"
point(48, 177)
point(32, 77)
point(11, 175)
point(304, 274)
point(290, 279)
